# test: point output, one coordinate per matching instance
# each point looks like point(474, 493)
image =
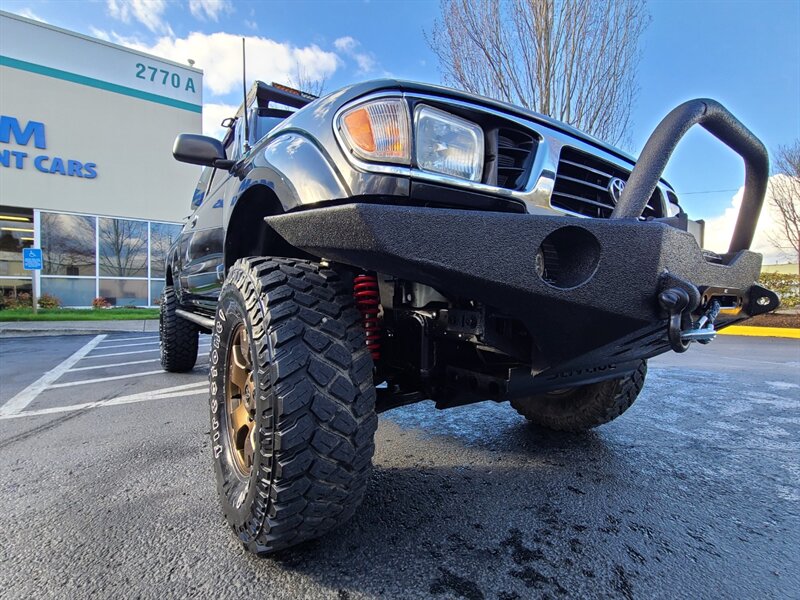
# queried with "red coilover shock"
point(368, 302)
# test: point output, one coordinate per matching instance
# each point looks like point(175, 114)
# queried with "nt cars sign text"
point(13, 132)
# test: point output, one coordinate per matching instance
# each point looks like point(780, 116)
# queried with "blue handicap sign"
point(32, 259)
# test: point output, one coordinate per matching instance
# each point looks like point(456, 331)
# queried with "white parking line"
point(134, 352)
point(109, 366)
point(192, 389)
point(101, 379)
point(29, 394)
point(123, 353)
point(130, 339)
point(128, 345)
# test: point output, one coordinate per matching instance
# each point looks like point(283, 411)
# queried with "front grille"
point(582, 186)
point(515, 151)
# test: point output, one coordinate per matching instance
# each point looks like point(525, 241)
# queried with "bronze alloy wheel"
point(240, 399)
point(292, 401)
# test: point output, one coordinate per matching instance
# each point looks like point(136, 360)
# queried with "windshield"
point(266, 124)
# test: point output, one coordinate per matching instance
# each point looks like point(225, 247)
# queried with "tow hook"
point(703, 331)
point(675, 301)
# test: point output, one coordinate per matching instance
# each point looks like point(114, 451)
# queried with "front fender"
point(297, 171)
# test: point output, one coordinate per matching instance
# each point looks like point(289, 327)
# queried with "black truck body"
point(627, 283)
point(396, 242)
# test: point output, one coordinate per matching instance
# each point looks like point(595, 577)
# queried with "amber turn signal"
point(378, 131)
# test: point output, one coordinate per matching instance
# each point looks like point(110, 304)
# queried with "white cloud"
point(209, 9)
point(213, 114)
point(345, 44)
point(28, 14)
point(113, 36)
point(99, 33)
point(719, 229)
point(220, 57)
point(149, 13)
point(364, 60)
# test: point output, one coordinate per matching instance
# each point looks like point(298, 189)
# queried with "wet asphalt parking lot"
point(107, 488)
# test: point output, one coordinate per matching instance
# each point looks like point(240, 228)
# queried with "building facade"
point(86, 168)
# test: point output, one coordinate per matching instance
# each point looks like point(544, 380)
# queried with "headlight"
point(448, 144)
point(378, 130)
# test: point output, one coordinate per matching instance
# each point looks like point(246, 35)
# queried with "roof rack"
point(264, 95)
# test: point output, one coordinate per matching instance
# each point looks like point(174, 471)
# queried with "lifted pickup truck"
point(395, 242)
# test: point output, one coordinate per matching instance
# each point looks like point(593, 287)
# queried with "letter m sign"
point(10, 128)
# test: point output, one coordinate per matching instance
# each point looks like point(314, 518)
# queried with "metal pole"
point(35, 291)
point(37, 243)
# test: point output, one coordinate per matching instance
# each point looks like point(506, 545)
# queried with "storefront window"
point(156, 287)
point(162, 236)
point(69, 291)
point(15, 291)
point(16, 233)
point(84, 256)
point(122, 292)
point(123, 247)
point(68, 244)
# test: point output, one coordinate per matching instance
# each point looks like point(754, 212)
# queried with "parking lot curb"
point(748, 330)
point(7, 333)
point(45, 328)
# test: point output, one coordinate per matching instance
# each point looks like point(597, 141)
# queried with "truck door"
point(203, 271)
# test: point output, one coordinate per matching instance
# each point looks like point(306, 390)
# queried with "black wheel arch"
point(247, 234)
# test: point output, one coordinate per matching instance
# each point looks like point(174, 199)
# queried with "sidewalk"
point(38, 328)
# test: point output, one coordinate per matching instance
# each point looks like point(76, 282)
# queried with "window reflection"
point(68, 244)
point(69, 291)
point(162, 236)
point(11, 288)
point(16, 233)
point(156, 287)
point(122, 292)
point(123, 247)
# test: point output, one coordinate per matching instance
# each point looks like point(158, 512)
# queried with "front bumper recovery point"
point(675, 301)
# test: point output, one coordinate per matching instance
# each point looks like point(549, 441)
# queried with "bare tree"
point(123, 248)
point(162, 236)
point(785, 199)
point(303, 82)
point(68, 244)
point(574, 60)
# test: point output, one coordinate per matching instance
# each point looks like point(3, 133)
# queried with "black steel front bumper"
point(612, 292)
point(603, 307)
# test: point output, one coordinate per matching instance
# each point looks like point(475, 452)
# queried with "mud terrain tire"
point(299, 465)
point(584, 407)
point(179, 337)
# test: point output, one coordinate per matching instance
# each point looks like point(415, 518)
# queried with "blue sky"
point(744, 53)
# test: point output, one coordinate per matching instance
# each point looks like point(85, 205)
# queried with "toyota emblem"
point(615, 187)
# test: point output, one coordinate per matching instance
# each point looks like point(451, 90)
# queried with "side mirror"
point(200, 150)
